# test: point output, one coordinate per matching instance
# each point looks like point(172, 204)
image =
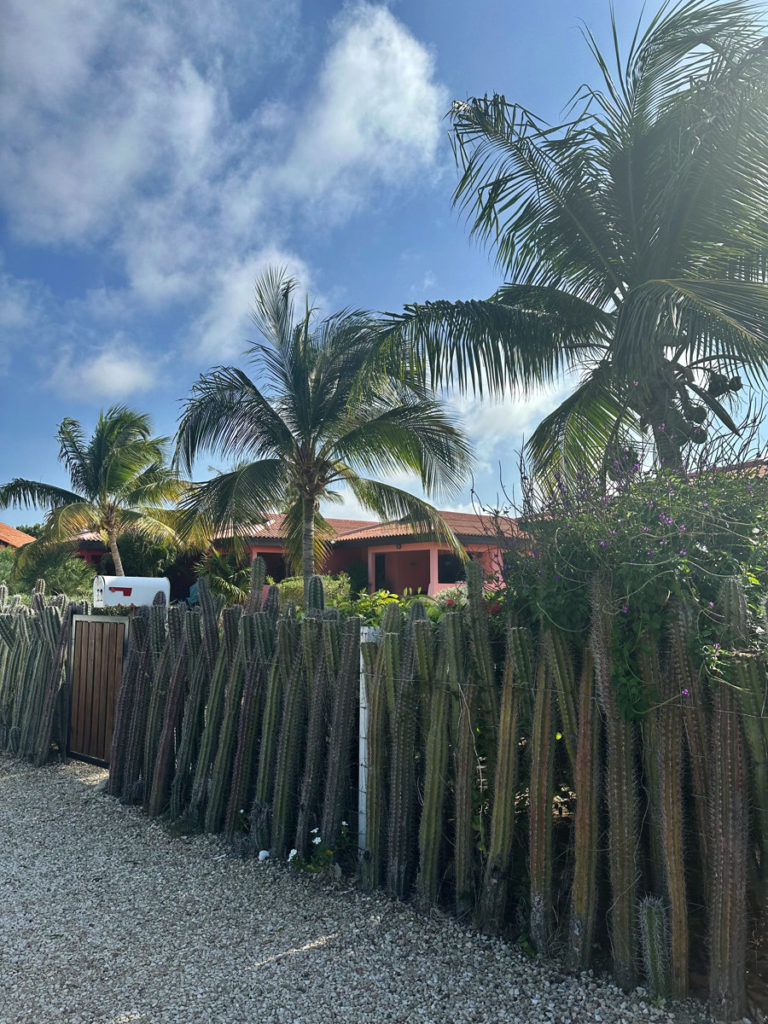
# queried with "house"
point(394, 557)
point(10, 537)
point(391, 556)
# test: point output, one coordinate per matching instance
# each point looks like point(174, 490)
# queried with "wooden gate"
point(97, 664)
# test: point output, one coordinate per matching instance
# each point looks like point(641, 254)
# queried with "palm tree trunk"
point(112, 541)
point(308, 541)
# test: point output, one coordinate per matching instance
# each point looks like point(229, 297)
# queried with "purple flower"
point(662, 427)
point(645, 529)
point(682, 553)
point(711, 604)
point(716, 647)
point(686, 693)
point(624, 609)
point(635, 382)
point(682, 527)
point(613, 533)
point(603, 543)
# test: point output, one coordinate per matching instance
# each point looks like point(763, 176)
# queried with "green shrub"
point(336, 589)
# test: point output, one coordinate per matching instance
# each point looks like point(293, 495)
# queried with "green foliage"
point(336, 590)
point(228, 575)
point(57, 564)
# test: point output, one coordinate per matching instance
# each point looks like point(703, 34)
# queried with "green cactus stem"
point(728, 880)
point(137, 633)
point(465, 774)
point(621, 794)
point(751, 687)
point(586, 829)
point(654, 945)
point(541, 796)
point(561, 668)
point(315, 594)
point(494, 895)
point(290, 751)
point(256, 588)
point(437, 687)
point(377, 663)
point(483, 666)
point(343, 722)
point(317, 732)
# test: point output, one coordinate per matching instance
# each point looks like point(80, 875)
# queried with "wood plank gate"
point(98, 644)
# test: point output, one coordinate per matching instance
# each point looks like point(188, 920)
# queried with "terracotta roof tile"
point(12, 537)
point(463, 524)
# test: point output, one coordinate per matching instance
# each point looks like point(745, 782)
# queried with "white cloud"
point(132, 132)
point(376, 112)
point(224, 328)
point(112, 373)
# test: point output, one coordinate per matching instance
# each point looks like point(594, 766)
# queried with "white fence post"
point(368, 635)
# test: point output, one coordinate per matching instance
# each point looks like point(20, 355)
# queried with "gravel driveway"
point(106, 918)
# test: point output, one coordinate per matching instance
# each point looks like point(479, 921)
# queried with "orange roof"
point(272, 529)
point(463, 524)
point(12, 537)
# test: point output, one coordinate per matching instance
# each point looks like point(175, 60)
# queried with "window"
point(450, 568)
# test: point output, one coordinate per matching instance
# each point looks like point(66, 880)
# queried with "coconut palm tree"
point(120, 483)
point(633, 238)
point(322, 413)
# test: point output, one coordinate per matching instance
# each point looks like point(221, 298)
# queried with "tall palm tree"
point(633, 238)
point(120, 483)
point(323, 412)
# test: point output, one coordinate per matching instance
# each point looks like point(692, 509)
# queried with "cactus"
point(187, 653)
point(289, 753)
point(256, 588)
point(260, 643)
point(191, 730)
point(732, 603)
point(56, 679)
point(494, 894)
point(130, 790)
point(221, 778)
point(728, 864)
point(271, 605)
point(586, 825)
point(315, 594)
point(437, 685)
point(158, 696)
point(280, 669)
point(684, 678)
point(621, 793)
point(317, 729)
point(750, 679)
point(561, 658)
point(482, 665)
point(137, 634)
point(343, 719)
point(541, 795)
point(653, 945)
point(465, 771)
point(377, 661)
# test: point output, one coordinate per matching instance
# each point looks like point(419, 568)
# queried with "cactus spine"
point(621, 796)
point(494, 894)
point(750, 680)
point(561, 668)
point(378, 665)
point(289, 751)
point(729, 816)
point(586, 825)
point(315, 594)
point(343, 718)
point(541, 795)
point(653, 945)
point(437, 685)
point(256, 589)
point(317, 726)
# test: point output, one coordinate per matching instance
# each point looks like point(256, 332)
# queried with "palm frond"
point(29, 493)
point(392, 503)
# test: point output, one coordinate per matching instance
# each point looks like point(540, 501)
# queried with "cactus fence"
point(501, 780)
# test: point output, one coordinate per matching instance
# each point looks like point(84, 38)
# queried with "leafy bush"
point(336, 589)
point(57, 564)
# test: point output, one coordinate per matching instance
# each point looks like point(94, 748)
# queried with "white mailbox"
point(109, 591)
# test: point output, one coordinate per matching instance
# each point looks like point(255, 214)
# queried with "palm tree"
point(323, 412)
point(633, 239)
point(120, 483)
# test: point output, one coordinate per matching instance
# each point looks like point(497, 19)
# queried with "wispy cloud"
point(114, 372)
point(133, 133)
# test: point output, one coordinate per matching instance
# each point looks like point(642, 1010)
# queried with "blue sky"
point(154, 157)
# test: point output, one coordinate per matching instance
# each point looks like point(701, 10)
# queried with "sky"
point(155, 157)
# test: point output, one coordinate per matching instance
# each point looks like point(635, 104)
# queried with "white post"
point(368, 635)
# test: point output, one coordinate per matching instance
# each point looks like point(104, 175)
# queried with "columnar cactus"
point(256, 588)
point(215, 713)
point(343, 721)
point(586, 784)
point(317, 730)
point(465, 773)
point(654, 945)
point(137, 635)
point(289, 754)
point(621, 794)
point(482, 665)
point(187, 653)
point(751, 683)
point(260, 644)
point(379, 664)
point(541, 796)
point(728, 879)
point(561, 668)
point(437, 686)
point(221, 777)
point(494, 895)
point(282, 665)
point(315, 594)
point(131, 789)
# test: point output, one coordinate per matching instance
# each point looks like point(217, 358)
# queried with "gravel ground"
point(105, 918)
